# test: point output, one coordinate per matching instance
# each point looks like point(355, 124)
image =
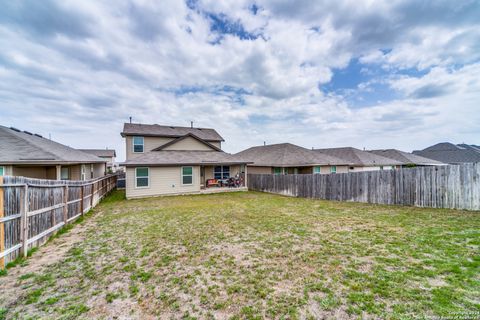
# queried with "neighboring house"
point(359, 160)
point(450, 153)
point(108, 154)
point(407, 159)
point(164, 160)
point(30, 155)
point(287, 158)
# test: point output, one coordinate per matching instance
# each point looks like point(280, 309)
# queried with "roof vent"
point(15, 129)
point(28, 133)
point(36, 134)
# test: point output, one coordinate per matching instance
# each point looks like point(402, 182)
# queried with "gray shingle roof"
point(287, 155)
point(131, 129)
point(165, 158)
point(449, 153)
point(100, 152)
point(406, 158)
point(21, 147)
point(358, 157)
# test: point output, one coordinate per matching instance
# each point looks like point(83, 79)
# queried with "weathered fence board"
point(31, 210)
point(453, 186)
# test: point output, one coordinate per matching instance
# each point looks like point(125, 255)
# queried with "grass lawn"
point(251, 255)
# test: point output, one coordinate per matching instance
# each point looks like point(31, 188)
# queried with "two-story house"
point(166, 160)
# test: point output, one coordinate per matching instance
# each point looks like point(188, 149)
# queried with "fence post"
point(65, 201)
point(2, 226)
point(24, 223)
point(81, 201)
point(91, 195)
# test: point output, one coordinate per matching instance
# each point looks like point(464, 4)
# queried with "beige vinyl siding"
point(51, 173)
point(149, 143)
point(260, 170)
point(162, 181)
point(189, 144)
point(31, 172)
point(217, 144)
point(98, 170)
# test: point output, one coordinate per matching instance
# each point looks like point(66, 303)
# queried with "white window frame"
point(319, 170)
point(222, 171)
point(82, 172)
point(61, 173)
point(133, 144)
point(186, 175)
point(3, 170)
point(148, 178)
point(333, 169)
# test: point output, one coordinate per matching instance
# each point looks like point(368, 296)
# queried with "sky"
point(367, 74)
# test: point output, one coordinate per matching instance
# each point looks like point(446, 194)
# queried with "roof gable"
point(171, 145)
point(156, 130)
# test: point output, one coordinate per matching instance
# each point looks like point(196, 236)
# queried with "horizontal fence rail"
point(31, 210)
point(453, 186)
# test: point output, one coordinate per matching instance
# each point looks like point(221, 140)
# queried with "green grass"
point(250, 255)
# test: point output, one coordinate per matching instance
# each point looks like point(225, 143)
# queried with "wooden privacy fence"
point(455, 186)
point(31, 210)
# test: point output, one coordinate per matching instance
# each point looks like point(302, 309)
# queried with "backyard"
point(250, 255)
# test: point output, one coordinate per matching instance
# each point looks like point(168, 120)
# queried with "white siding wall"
point(163, 181)
point(150, 143)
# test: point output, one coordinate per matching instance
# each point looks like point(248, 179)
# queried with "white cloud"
point(80, 78)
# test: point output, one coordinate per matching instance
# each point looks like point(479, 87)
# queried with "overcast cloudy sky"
point(374, 74)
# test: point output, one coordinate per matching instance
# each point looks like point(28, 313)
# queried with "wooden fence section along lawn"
point(31, 210)
point(453, 186)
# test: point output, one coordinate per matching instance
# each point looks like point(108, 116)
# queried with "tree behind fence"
point(31, 210)
point(453, 186)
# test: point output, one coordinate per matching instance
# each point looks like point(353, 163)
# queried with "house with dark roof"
point(287, 158)
point(447, 152)
point(167, 160)
point(406, 158)
point(359, 160)
point(108, 154)
point(31, 155)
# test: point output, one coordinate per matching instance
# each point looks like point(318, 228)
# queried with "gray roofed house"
point(406, 158)
point(165, 160)
point(31, 155)
point(287, 158)
point(156, 130)
point(450, 153)
point(357, 157)
point(287, 155)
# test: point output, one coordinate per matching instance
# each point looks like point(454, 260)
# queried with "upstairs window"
point(142, 178)
point(187, 175)
point(333, 169)
point(138, 144)
point(316, 170)
point(221, 172)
